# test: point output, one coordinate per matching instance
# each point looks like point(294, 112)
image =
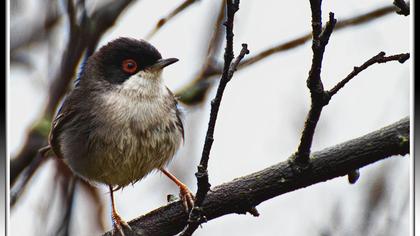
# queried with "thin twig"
point(38, 31)
point(194, 92)
point(196, 215)
point(184, 5)
point(380, 58)
point(26, 176)
point(63, 228)
point(293, 43)
point(314, 82)
point(96, 203)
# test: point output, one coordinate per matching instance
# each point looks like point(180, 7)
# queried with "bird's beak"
point(162, 63)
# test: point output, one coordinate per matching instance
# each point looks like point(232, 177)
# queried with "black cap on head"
point(107, 61)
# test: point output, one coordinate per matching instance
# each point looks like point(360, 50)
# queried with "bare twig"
point(96, 203)
point(33, 142)
point(194, 92)
point(239, 195)
point(38, 31)
point(341, 24)
point(18, 189)
point(196, 217)
point(314, 82)
point(320, 97)
point(63, 228)
point(184, 5)
point(403, 7)
point(380, 58)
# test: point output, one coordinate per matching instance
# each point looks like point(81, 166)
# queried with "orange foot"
point(118, 224)
point(187, 197)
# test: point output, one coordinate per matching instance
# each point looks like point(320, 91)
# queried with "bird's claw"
point(119, 224)
point(187, 198)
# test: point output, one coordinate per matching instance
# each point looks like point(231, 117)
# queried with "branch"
point(240, 194)
point(380, 58)
point(170, 16)
point(37, 31)
point(403, 7)
point(320, 97)
point(299, 41)
point(34, 140)
point(314, 82)
point(196, 217)
point(194, 92)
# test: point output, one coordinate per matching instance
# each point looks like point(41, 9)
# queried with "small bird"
point(120, 122)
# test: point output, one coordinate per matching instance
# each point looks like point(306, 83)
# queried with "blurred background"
point(259, 123)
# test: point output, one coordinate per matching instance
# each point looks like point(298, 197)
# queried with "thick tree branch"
point(242, 193)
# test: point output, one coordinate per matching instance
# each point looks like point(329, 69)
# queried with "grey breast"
point(125, 140)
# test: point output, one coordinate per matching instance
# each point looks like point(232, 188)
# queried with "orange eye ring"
point(129, 66)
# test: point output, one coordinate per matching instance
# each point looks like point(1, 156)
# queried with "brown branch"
point(380, 58)
point(19, 189)
point(194, 92)
point(299, 41)
point(242, 193)
point(170, 16)
point(68, 187)
point(36, 32)
point(34, 140)
point(96, 203)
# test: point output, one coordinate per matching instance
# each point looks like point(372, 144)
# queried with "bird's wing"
point(178, 113)
point(64, 114)
point(179, 120)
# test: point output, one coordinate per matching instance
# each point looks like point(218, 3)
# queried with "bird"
point(120, 122)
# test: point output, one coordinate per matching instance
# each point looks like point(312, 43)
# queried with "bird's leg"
point(187, 196)
point(117, 221)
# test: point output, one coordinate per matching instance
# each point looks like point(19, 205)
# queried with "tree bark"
point(244, 193)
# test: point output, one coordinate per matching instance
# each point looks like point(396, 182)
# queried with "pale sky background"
point(261, 115)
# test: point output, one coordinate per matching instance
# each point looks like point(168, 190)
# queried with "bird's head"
point(125, 63)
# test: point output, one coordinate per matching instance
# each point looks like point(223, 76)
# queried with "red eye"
point(129, 66)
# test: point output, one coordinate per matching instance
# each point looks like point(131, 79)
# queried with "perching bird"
point(120, 122)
